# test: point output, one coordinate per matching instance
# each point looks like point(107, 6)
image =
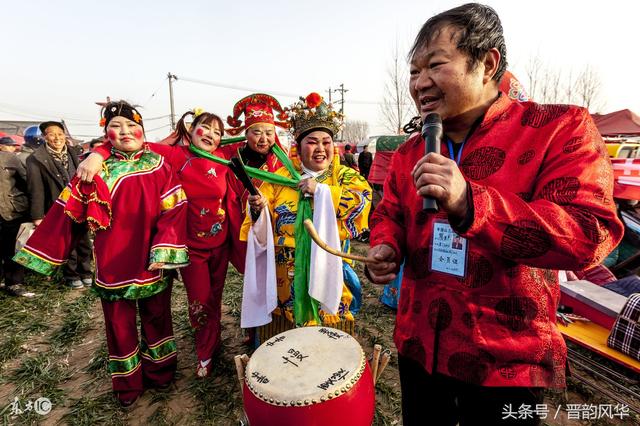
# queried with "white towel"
point(325, 275)
point(259, 294)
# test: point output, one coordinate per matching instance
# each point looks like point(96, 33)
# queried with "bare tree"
point(588, 87)
point(534, 72)
point(548, 85)
point(555, 87)
point(397, 107)
point(355, 130)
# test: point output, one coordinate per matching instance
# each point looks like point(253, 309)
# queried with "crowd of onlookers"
point(34, 174)
point(31, 178)
point(362, 162)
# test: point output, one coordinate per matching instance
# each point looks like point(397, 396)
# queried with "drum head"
point(305, 366)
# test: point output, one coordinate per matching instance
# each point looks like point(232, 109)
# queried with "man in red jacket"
point(523, 190)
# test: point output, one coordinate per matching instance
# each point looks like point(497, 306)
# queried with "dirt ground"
point(54, 347)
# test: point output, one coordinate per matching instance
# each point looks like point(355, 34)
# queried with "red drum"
point(309, 376)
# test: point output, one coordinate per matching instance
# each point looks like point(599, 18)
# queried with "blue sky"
point(58, 58)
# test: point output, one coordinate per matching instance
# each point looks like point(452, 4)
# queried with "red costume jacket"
point(148, 208)
point(540, 184)
point(205, 183)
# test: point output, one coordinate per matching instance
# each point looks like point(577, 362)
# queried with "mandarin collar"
point(129, 156)
point(497, 108)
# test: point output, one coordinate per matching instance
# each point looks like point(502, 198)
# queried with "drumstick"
point(245, 359)
point(308, 224)
point(386, 356)
point(240, 371)
point(374, 362)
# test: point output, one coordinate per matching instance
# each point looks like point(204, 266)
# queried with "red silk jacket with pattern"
point(541, 185)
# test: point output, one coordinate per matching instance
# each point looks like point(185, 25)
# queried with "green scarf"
point(305, 308)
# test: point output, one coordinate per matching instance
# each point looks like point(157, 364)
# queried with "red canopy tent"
point(623, 122)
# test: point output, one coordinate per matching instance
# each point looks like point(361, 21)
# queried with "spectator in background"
point(93, 144)
point(32, 141)
point(349, 159)
point(14, 209)
point(365, 159)
point(49, 170)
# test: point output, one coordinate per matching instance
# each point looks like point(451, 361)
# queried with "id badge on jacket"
point(448, 250)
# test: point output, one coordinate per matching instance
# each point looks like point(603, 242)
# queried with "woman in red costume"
point(137, 209)
point(205, 183)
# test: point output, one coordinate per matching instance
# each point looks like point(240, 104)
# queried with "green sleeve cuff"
point(170, 256)
point(32, 261)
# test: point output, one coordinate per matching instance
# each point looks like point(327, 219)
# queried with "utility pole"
point(329, 94)
point(342, 91)
point(172, 77)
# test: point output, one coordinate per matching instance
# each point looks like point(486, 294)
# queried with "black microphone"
point(432, 135)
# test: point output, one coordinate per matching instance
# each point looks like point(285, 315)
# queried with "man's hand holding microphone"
point(439, 181)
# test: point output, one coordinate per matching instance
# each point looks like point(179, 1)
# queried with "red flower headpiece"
point(313, 100)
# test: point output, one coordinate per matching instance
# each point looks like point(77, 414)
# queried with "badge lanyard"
point(450, 146)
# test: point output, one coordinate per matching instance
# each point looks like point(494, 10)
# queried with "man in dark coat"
point(349, 159)
point(365, 159)
point(49, 170)
point(14, 210)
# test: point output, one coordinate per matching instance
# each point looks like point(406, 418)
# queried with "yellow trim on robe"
point(173, 199)
point(65, 194)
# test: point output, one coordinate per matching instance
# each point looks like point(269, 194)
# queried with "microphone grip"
point(429, 205)
point(432, 144)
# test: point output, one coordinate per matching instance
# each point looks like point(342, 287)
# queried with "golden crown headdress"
point(313, 113)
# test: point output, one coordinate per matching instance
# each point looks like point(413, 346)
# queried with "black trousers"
point(78, 264)
point(12, 272)
point(444, 401)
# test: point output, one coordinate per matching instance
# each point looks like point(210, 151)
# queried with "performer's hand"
point(257, 203)
point(308, 186)
point(89, 167)
point(156, 265)
point(37, 222)
point(385, 268)
point(439, 177)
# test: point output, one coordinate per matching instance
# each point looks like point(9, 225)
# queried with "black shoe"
point(18, 290)
point(164, 388)
point(128, 404)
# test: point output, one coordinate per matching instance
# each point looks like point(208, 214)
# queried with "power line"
point(285, 94)
point(241, 88)
point(154, 93)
